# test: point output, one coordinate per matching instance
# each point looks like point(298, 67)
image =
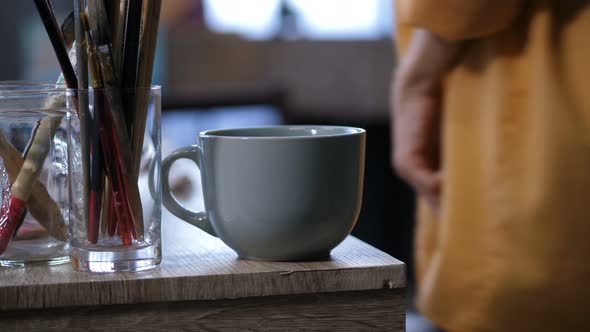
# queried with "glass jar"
point(115, 179)
point(34, 196)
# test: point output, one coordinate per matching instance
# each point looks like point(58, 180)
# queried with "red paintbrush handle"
point(119, 202)
point(115, 174)
point(130, 226)
point(114, 166)
point(17, 208)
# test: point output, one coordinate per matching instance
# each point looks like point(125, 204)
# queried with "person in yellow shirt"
point(491, 123)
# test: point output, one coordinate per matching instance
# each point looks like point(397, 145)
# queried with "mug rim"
point(343, 131)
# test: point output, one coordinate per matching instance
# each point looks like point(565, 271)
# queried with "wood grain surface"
point(195, 267)
point(381, 310)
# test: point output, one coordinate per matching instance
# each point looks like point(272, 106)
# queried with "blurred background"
point(228, 63)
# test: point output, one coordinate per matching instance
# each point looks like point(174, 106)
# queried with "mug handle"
point(198, 219)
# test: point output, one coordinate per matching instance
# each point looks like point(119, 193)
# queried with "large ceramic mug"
point(281, 193)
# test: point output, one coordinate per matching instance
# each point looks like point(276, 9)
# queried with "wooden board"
point(343, 311)
point(197, 266)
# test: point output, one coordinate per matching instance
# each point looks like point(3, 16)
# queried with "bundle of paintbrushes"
point(116, 41)
point(106, 50)
point(109, 71)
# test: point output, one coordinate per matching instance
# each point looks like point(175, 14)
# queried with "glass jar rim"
point(15, 93)
point(154, 87)
point(29, 82)
point(30, 87)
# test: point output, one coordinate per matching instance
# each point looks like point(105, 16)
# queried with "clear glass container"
point(34, 196)
point(115, 159)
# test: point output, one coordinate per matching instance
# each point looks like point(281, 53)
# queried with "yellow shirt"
point(510, 250)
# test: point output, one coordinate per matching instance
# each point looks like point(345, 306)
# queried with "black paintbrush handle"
point(130, 59)
point(131, 48)
point(57, 41)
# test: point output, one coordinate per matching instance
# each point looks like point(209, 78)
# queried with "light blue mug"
point(283, 193)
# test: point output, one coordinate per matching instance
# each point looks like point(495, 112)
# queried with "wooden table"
point(202, 286)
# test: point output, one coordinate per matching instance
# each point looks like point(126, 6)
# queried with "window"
point(308, 19)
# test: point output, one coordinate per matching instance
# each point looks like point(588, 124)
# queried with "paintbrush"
point(116, 12)
point(148, 41)
point(130, 58)
point(127, 192)
point(94, 178)
point(84, 112)
point(91, 153)
point(57, 41)
point(116, 16)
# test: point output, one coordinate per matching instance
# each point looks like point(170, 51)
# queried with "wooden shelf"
point(198, 267)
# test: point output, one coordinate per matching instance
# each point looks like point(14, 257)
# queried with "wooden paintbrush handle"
point(33, 163)
point(40, 204)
